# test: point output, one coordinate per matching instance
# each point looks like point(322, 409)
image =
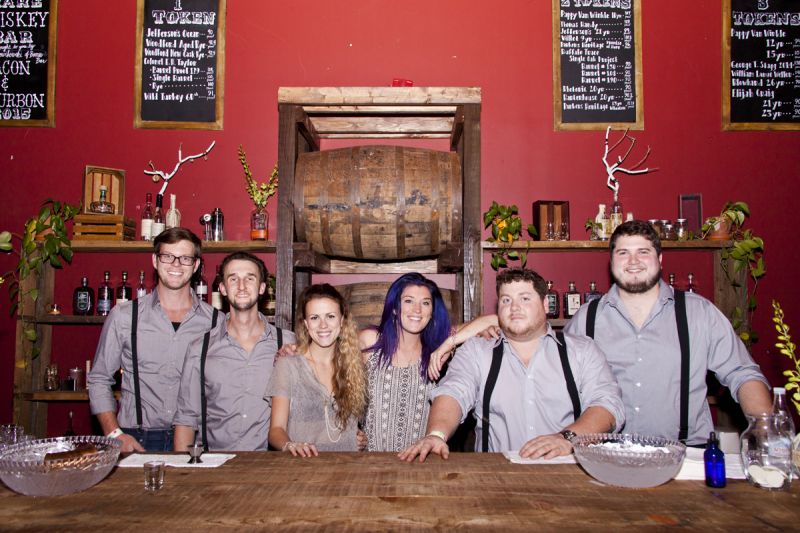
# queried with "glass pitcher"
point(766, 453)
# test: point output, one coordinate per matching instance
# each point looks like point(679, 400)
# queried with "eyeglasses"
point(185, 260)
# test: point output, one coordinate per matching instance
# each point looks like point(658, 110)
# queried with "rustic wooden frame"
point(91, 192)
point(50, 121)
point(219, 82)
point(558, 124)
point(727, 125)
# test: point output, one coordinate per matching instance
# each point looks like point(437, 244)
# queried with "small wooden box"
point(551, 217)
point(103, 228)
point(112, 178)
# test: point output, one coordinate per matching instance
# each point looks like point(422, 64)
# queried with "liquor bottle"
point(70, 432)
point(147, 217)
point(124, 291)
point(714, 461)
point(216, 295)
point(102, 206)
point(616, 214)
point(173, 215)
point(104, 295)
point(690, 284)
point(551, 297)
point(158, 218)
point(783, 419)
point(672, 280)
point(83, 298)
point(780, 448)
point(572, 301)
point(201, 286)
point(601, 223)
point(141, 289)
point(592, 293)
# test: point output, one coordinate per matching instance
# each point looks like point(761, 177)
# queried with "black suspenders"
point(494, 371)
point(135, 362)
point(203, 399)
point(683, 337)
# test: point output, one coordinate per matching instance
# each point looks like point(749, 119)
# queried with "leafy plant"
point(506, 228)
point(787, 348)
point(733, 214)
point(260, 194)
point(44, 241)
point(593, 227)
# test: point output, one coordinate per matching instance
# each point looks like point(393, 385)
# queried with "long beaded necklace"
point(328, 400)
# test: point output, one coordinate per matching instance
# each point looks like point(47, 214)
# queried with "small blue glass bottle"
point(714, 461)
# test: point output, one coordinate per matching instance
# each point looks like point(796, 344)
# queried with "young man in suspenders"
point(532, 390)
point(148, 338)
point(227, 370)
point(661, 343)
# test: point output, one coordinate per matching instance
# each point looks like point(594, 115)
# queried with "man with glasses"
point(147, 339)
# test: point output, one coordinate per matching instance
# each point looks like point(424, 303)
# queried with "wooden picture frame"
point(728, 124)
point(559, 124)
point(177, 106)
point(49, 87)
point(690, 207)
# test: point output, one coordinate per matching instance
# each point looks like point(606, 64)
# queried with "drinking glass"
point(766, 453)
point(153, 475)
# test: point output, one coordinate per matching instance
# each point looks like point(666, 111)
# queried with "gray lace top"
point(398, 406)
point(312, 410)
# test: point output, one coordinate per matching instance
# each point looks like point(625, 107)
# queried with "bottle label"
point(147, 228)
point(552, 304)
point(103, 306)
point(216, 300)
point(201, 290)
point(156, 229)
point(573, 303)
point(82, 302)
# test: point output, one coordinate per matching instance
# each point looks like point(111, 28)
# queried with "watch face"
point(567, 434)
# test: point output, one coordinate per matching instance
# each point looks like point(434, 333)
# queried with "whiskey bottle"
point(147, 217)
point(158, 218)
point(592, 293)
point(201, 286)
point(616, 214)
point(690, 284)
point(216, 295)
point(70, 432)
point(551, 299)
point(83, 298)
point(173, 215)
point(572, 301)
point(102, 206)
point(124, 291)
point(104, 295)
point(141, 289)
point(672, 280)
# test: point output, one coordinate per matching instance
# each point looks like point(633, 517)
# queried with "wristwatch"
point(568, 434)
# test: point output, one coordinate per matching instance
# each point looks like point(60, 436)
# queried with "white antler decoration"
point(612, 181)
point(181, 160)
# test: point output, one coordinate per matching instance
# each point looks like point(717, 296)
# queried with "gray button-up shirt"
point(647, 361)
point(238, 415)
point(529, 401)
point(160, 350)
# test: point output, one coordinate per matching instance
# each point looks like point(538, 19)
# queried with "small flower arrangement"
point(787, 348)
point(506, 228)
point(260, 194)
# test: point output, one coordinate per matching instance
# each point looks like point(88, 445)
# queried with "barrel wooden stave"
point(366, 301)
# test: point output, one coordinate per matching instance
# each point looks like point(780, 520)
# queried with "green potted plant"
point(730, 220)
point(594, 228)
point(260, 195)
point(44, 241)
point(506, 228)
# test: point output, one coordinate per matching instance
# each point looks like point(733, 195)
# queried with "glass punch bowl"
point(24, 468)
point(632, 461)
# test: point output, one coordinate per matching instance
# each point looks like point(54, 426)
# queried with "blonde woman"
point(319, 397)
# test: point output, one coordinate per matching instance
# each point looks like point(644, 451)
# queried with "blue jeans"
point(152, 440)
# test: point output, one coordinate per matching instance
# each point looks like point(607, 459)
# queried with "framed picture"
point(690, 207)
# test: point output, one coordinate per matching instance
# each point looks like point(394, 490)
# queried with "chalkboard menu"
point(180, 64)
point(597, 61)
point(761, 64)
point(28, 62)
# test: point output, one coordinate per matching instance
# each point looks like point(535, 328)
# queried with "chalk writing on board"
point(24, 55)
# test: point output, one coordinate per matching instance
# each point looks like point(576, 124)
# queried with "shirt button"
point(638, 384)
point(244, 416)
point(530, 402)
point(636, 409)
point(638, 336)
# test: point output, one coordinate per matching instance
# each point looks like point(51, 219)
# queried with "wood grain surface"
point(376, 492)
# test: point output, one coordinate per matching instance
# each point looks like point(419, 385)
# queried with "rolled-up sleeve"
point(107, 360)
point(462, 382)
point(597, 386)
point(188, 411)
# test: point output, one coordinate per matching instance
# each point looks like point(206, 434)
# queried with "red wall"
point(504, 48)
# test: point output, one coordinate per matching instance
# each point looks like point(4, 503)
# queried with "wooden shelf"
point(76, 320)
point(590, 246)
point(147, 246)
point(59, 396)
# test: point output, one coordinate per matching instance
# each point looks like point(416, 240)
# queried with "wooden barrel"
point(366, 301)
point(378, 202)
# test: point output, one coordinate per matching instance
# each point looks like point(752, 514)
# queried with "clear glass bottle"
point(259, 224)
point(201, 285)
point(766, 454)
point(551, 298)
point(784, 424)
point(141, 289)
point(572, 301)
point(147, 218)
point(105, 295)
point(690, 282)
point(124, 291)
point(173, 219)
point(600, 232)
point(159, 223)
point(592, 293)
point(714, 461)
point(102, 206)
point(615, 217)
point(83, 298)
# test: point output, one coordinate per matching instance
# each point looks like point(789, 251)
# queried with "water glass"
point(154, 475)
point(766, 453)
point(11, 434)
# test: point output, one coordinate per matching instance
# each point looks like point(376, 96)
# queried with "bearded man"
point(532, 390)
point(661, 342)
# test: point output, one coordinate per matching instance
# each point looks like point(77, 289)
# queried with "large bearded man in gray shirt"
point(635, 326)
point(530, 408)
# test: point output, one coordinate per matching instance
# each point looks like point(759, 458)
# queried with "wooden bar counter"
point(376, 492)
